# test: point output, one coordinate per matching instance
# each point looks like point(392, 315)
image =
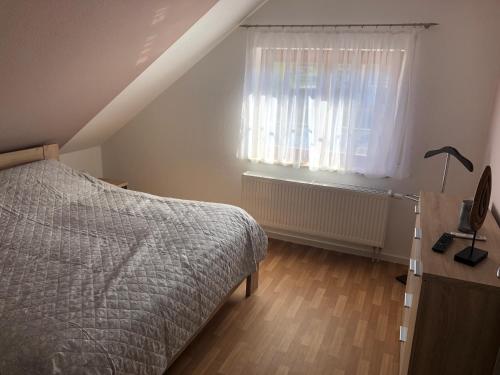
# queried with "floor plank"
point(315, 312)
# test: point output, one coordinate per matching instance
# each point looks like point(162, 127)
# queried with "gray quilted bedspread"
point(99, 280)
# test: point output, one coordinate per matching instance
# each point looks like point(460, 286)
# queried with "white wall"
point(88, 160)
point(184, 144)
point(493, 158)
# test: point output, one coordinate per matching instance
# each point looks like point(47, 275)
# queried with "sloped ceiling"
point(63, 61)
point(195, 43)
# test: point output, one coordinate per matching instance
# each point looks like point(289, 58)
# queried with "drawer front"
point(410, 300)
point(416, 259)
point(415, 263)
point(417, 208)
point(409, 317)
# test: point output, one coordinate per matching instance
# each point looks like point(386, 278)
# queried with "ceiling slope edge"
point(178, 59)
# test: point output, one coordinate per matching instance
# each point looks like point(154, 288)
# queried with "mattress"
point(96, 279)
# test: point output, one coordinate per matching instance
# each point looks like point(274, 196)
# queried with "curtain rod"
point(348, 25)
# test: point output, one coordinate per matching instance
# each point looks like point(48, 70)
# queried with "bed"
point(95, 279)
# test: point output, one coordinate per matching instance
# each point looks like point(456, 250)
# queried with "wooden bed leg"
point(252, 283)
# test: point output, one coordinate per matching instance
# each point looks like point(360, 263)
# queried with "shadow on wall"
point(98, 46)
point(496, 214)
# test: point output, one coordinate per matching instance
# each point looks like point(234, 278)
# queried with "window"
point(333, 101)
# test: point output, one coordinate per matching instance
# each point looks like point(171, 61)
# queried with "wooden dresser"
point(451, 312)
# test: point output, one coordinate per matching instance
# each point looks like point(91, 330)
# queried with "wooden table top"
point(439, 214)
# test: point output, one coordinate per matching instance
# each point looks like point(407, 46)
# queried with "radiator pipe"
point(411, 197)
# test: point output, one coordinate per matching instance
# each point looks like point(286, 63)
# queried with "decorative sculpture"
point(471, 255)
point(448, 150)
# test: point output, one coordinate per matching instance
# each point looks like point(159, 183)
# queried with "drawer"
point(412, 291)
point(403, 353)
point(410, 300)
point(409, 316)
point(415, 265)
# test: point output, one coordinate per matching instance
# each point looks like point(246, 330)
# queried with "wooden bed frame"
point(252, 283)
point(51, 152)
point(29, 155)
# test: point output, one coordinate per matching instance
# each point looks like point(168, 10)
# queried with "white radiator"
point(338, 212)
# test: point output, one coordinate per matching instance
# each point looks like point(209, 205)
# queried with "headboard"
point(28, 155)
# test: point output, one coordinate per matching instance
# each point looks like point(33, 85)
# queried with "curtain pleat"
point(328, 100)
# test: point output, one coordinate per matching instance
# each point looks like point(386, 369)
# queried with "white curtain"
point(328, 100)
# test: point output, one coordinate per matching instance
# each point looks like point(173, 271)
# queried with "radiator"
point(344, 213)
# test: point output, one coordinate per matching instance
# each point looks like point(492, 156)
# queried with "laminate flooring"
point(315, 312)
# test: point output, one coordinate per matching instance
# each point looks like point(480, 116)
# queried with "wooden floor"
point(315, 312)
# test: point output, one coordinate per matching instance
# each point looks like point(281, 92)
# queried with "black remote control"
point(442, 244)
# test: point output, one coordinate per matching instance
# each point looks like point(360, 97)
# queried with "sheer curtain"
point(328, 100)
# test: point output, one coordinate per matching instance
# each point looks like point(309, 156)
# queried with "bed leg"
point(252, 283)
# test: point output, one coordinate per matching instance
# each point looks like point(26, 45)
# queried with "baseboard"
point(332, 245)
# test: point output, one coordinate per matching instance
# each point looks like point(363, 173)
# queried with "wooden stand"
point(470, 255)
point(252, 283)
